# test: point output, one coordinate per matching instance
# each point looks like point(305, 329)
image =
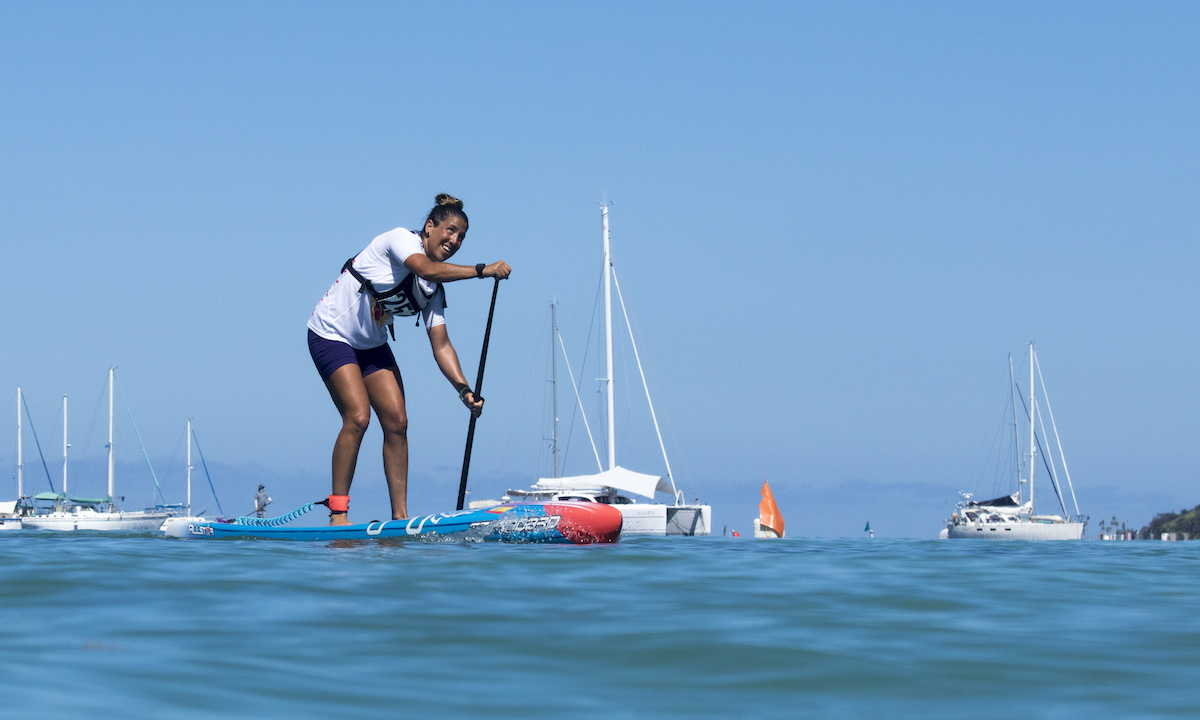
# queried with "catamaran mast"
point(1032, 423)
point(1012, 386)
point(554, 382)
point(110, 433)
point(65, 445)
point(608, 353)
point(20, 464)
point(189, 468)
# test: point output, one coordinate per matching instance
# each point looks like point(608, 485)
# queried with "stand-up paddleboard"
point(562, 522)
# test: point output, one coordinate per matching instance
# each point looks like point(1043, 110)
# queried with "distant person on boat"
point(261, 501)
point(400, 274)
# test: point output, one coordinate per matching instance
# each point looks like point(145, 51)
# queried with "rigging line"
point(1062, 457)
point(205, 466)
point(586, 349)
point(646, 387)
point(36, 442)
point(576, 411)
point(1052, 469)
point(175, 455)
point(102, 378)
point(579, 400)
point(140, 443)
point(81, 458)
point(994, 447)
point(1045, 463)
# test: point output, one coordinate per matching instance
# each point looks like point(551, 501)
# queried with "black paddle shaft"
point(487, 334)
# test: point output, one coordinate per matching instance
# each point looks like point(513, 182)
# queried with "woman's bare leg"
point(386, 391)
point(349, 394)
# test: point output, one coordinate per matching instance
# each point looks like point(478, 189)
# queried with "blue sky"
point(832, 223)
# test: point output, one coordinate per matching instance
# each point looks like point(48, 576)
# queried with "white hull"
point(10, 523)
point(762, 531)
point(132, 521)
point(177, 526)
point(689, 519)
point(660, 519)
point(643, 519)
point(1015, 531)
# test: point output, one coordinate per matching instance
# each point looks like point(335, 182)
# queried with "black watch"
point(479, 270)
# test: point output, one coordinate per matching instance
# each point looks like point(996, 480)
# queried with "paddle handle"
point(487, 334)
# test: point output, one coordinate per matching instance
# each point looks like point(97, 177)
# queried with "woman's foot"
point(338, 519)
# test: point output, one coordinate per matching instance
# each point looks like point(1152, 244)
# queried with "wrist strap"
point(479, 270)
point(462, 392)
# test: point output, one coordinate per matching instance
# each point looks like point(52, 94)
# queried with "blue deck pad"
point(523, 523)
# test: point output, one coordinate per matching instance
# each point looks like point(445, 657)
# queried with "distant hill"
point(1185, 521)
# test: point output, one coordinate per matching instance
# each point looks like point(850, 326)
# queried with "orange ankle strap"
point(339, 503)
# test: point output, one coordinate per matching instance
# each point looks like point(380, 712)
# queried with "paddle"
point(487, 333)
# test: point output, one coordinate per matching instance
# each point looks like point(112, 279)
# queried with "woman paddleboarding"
point(400, 274)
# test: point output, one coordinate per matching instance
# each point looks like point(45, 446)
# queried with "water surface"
point(140, 626)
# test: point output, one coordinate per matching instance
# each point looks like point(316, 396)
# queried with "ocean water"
point(135, 626)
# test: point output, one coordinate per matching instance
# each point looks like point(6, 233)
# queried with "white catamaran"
point(1012, 517)
point(176, 525)
point(79, 513)
point(616, 484)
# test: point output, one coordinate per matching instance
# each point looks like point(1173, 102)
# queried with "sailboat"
point(769, 523)
point(80, 513)
point(176, 525)
point(1012, 517)
point(614, 484)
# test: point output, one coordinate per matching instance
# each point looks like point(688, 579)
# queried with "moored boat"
point(632, 493)
point(71, 513)
point(1013, 517)
point(769, 523)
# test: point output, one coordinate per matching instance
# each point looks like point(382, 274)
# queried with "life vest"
point(405, 300)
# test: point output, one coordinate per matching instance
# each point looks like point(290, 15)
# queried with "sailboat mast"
point(608, 355)
point(554, 383)
point(189, 468)
point(20, 463)
point(65, 445)
point(1012, 386)
point(1058, 441)
point(1032, 423)
point(110, 433)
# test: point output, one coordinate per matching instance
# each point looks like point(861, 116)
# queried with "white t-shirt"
point(357, 318)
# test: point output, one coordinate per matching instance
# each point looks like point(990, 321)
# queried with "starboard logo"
point(203, 530)
point(530, 524)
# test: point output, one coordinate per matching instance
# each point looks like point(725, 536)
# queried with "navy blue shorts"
point(329, 355)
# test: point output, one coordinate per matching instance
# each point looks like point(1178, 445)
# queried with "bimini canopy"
point(90, 501)
point(1006, 501)
point(618, 478)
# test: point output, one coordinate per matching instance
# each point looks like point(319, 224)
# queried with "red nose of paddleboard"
point(587, 523)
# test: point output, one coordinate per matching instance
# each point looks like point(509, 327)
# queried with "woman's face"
point(442, 241)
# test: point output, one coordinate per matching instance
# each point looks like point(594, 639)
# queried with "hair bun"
point(444, 199)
